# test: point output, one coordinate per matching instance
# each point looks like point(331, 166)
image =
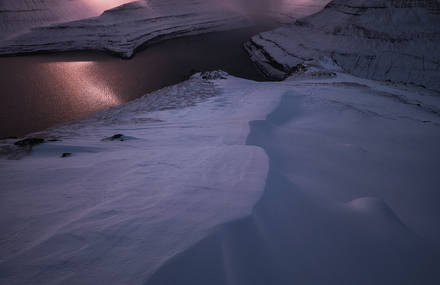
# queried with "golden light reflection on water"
point(80, 79)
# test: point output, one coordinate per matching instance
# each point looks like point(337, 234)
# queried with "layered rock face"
point(123, 29)
point(377, 39)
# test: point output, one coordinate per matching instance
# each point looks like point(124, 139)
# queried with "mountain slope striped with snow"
point(377, 39)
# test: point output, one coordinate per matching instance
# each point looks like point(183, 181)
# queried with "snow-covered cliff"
point(123, 29)
point(377, 39)
point(18, 16)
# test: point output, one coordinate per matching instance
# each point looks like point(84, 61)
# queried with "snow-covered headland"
point(377, 39)
point(123, 29)
point(150, 206)
point(18, 16)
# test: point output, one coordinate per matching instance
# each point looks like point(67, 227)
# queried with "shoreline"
point(52, 92)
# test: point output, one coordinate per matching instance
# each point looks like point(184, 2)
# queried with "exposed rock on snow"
point(29, 142)
point(286, 165)
point(125, 28)
point(377, 39)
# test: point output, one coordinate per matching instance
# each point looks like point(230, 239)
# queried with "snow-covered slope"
point(123, 29)
point(149, 207)
point(115, 210)
point(17, 16)
point(378, 39)
point(282, 11)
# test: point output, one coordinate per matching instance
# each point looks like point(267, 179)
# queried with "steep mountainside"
point(377, 39)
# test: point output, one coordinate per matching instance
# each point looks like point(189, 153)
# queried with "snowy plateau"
point(329, 176)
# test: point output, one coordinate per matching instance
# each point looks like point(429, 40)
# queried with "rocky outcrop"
point(377, 39)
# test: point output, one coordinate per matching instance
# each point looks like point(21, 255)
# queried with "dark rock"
point(213, 75)
point(8, 138)
point(119, 137)
point(66, 154)
point(29, 142)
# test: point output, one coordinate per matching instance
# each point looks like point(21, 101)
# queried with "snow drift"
point(382, 40)
point(322, 178)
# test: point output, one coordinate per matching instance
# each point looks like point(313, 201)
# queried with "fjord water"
point(40, 91)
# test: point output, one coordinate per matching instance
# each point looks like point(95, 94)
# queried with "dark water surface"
point(40, 91)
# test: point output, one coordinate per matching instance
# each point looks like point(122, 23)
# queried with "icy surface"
point(382, 40)
point(123, 29)
point(324, 178)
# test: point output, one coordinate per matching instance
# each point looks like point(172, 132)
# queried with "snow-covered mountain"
point(377, 39)
point(123, 29)
point(17, 16)
point(20, 15)
point(283, 11)
point(324, 178)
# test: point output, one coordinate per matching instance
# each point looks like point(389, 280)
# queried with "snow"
point(324, 178)
point(18, 16)
point(178, 173)
point(123, 29)
point(331, 145)
point(381, 40)
point(282, 11)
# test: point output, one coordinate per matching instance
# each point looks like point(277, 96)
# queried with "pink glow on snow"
point(99, 6)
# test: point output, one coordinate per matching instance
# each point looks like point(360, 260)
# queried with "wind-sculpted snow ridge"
point(377, 39)
point(324, 178)
point(116, 195)
point(330, 141)
point(123, 29)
